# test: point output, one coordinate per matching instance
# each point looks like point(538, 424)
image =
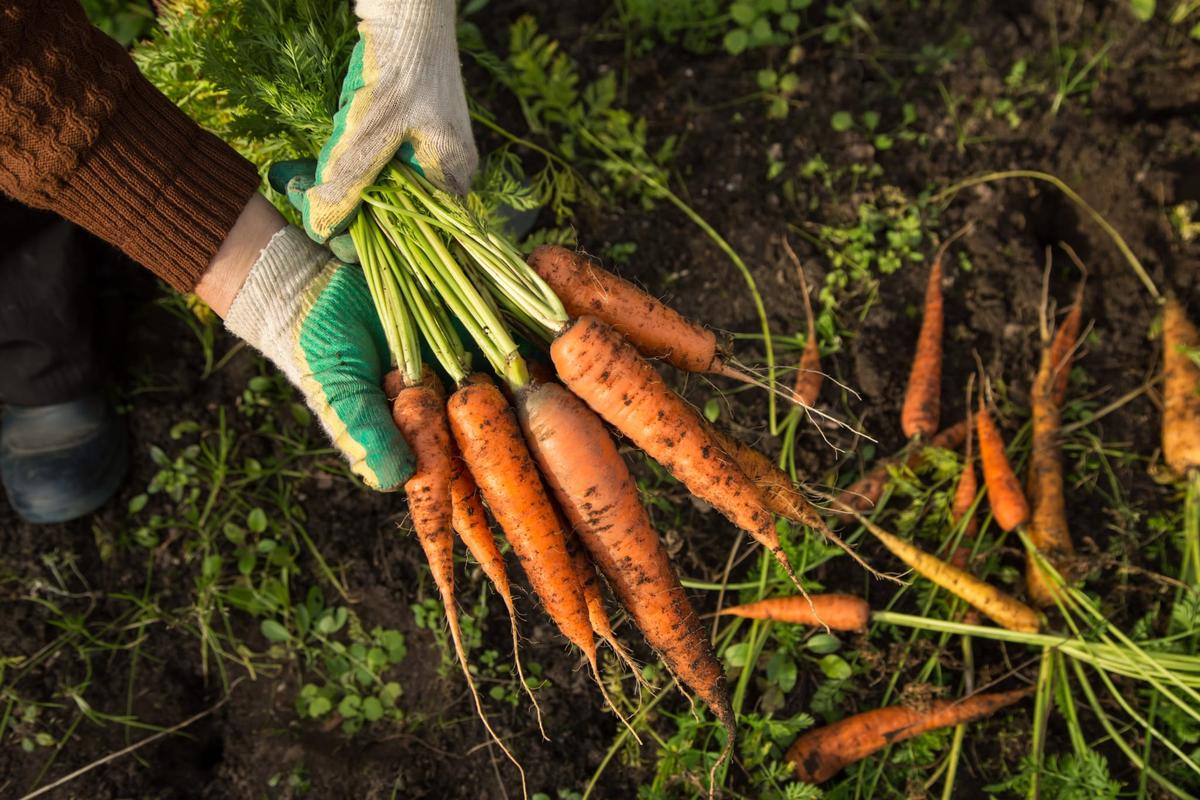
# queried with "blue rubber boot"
point(63, 461)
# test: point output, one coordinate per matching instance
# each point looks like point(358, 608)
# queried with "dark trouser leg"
point(62, 449)
point(48, 345)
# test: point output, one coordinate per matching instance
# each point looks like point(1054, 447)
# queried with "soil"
point(1131, 148)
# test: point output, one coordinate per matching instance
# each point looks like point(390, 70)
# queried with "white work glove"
point(404, 85)
point(313, 317)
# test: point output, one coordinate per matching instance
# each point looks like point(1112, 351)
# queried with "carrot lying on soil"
point(489, 439)
point(862, 495)
point(654, 328)
point(1181, 390)
point(599, 497)
point(608, 374)
point(1047, 528)
point(964, 497)
point(819, 754)
point(922, 399)
point(419, 414)
point(839, 612)
point(1063, 346)
point(809, 376)
point(1008, 503)
point(1062, 349)
point(1001, 607)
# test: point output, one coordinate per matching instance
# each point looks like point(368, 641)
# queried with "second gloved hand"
point(313, 317)
point(404, 84)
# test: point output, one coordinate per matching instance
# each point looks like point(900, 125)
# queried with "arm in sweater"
point(83, 134)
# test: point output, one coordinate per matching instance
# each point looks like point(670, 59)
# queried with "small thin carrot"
point(922, 399)
point(1047, 529)
point(839, 612)
point(419, 414)
point(1001, 607)
point(654, 328)
point(1181, 390)
point(470, 523)
point(809, 376)
point(608, 374)
point(599, 497)
point(921, 410)
point(819, 754)
point(862, 495)
point(1063, 346)
point(964, 496)
point(1008, 503)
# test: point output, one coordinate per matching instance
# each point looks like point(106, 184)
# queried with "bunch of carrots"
point(530, 443)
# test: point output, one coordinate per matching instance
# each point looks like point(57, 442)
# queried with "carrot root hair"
point(594, 662)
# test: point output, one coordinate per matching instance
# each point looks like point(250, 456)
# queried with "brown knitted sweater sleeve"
point(83, 134)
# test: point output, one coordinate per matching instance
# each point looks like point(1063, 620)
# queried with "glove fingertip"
point(343, 249)
point(281, 173)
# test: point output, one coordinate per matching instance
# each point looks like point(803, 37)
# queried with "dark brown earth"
point(1131, 149)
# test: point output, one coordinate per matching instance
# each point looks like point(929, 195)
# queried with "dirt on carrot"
point(1047, 528)
point(599, 497)
point(608, 374)
point(490, 441)
point(654, 328)
point(420, 415)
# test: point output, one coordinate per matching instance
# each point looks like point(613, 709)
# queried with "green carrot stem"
point(500, 260)
point(442, 339)
point(398, 327)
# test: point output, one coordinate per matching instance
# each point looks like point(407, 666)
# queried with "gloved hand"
point(404, 84)
point(313, 316)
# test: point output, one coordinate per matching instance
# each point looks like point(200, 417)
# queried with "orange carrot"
point(599, 498)
point(780, 494)
point(922, 399)
point(607, 373)
point(1181, 391)
point(654, 328)
point(490, 440)
point(964, 497)
point(818, 755)
point(486, 431)
point(863, 494)
point(471, 525)
point(839, 612)
point(1063, 345)
point(1047, 528)
point(809, 376)
point(1001, 607)
point(1004, 490)
point(420, 416)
